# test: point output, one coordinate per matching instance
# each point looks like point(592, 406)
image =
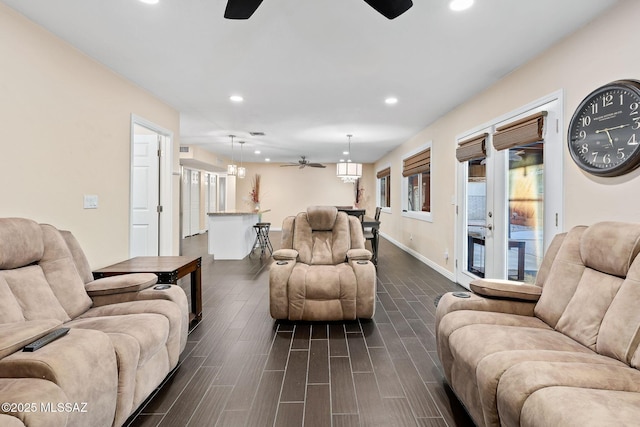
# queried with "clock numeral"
point(632, 140)
point(636, 123)
point(584, 149)
point(594, 108)
point(586, 121)
point(583, 134)
point(634, 108)
point(622, 99)
point(620, 154)
point(607, 100)
point(595, 156)
point(606, 158)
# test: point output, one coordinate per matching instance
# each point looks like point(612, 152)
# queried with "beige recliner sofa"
point(562, 352)
point(125, 336)
point(322, 270)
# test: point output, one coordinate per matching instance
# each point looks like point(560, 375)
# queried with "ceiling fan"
point(304, 163)
point(243, 9)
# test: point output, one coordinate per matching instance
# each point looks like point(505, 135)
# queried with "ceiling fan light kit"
point(391, 9)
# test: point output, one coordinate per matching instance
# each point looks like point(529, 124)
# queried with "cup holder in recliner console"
point(161, 287)
point(282, 262)
point(462, 294)
point(363, 262)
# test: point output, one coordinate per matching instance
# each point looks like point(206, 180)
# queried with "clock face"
point(604, 133)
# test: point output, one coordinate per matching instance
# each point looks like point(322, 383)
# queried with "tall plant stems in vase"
point(255, 192)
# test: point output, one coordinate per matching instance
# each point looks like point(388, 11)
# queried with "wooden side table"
point(169, 269)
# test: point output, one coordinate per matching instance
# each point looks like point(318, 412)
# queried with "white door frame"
point(554, 186)
point(166, 188)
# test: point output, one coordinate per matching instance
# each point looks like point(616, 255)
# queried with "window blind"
point(521, 132)
point(418, 163)
point(383, 173)
point(473, 148)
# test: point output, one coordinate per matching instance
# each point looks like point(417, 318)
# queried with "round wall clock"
point(604, 132)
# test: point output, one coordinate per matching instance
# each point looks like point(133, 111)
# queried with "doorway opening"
point(150, 216)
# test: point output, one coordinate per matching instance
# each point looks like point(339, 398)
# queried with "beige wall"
point(602, 51)
point(66, 124)
point(289, 190)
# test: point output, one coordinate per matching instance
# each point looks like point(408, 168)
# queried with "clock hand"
point(608, 134)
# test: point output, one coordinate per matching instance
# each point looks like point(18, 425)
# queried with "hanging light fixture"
point(232, 169)
point(242, 172)
point(349, 171)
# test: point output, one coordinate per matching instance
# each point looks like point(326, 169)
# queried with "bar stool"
point(262, 238)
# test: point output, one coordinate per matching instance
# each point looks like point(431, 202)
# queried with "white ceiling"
point(310, 71)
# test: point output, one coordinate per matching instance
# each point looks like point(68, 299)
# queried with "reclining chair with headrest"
point(322, 271)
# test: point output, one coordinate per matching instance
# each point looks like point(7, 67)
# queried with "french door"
point(510, 195)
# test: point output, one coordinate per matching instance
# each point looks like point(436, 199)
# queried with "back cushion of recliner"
point(20, 242)
point(61, 273)
point(33, 293)
point(619, 335)
point(10, 310)
point(563, 278)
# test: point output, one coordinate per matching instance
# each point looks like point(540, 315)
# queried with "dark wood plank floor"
point(242, 368)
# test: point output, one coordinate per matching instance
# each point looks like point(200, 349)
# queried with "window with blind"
point(384, 188)
point(416, 172)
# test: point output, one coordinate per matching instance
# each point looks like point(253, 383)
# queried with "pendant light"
point(232, 169)
point(242, 172)
point(348, 171)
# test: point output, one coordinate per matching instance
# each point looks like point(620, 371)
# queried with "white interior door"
point(186, 202)
point(145, 197)
point(195, 203)
point(510, 202)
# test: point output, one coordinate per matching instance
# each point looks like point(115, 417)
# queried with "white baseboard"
point(446, 273)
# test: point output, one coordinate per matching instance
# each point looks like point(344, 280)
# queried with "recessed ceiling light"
point(150, 1)
point(459, 5)
point(267, 159)
point(236, 98)
point(345, 153)
point(256, 152)
point(391, 100)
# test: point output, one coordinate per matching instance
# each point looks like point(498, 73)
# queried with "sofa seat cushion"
point(580, 407)
point(520, 382)
point(149, 330)
point(492, 367)
point(322, 292)
point(459, 319)
point(33, 391)
point(471, 344)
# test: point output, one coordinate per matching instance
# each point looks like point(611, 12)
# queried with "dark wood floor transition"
point(242, 368)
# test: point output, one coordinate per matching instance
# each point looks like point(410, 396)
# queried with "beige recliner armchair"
point(322, 271)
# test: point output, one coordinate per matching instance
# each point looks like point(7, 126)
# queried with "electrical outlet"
point(446, 255)
point(410, 236)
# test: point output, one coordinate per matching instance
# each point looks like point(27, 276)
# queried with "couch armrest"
point(495, 288)
point(14, 336)
point(285, 255)
point(279, 273)
point(134, 282)
point(358, 254)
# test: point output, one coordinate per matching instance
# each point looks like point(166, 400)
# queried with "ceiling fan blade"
point(316, 165)
point(290, 164)
point(241, 9)
point(390, 8)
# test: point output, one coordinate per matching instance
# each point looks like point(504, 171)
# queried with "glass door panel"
point(525, 211)
point(476, 216)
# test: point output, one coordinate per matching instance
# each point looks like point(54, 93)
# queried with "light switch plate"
point(90, 201)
